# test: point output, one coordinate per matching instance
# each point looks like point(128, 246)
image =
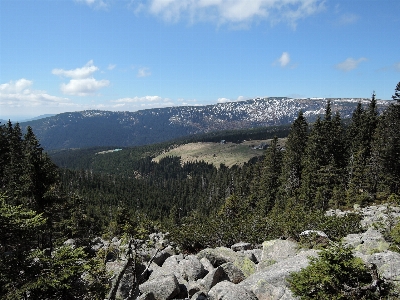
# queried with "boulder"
point(369, 242)
point(199, 296)
point(241, 246)
point(234, 274)
point(162, 288)
point(212, 278)
point(227, 290)
point(206, 264)
point(169, 267)
point(221, 255)
point(387, 262)
point(191, 268)
point(270, 283)
point(146, 296)
point(276, 250)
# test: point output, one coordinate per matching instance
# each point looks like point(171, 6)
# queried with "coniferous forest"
point(324, 165)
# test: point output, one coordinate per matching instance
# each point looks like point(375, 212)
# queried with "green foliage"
point(292, 221)
point(67, 274)
point(331, 275)
point(18, 232)
point(395, 237)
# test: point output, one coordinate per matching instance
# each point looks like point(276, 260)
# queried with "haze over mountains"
point(106, 128)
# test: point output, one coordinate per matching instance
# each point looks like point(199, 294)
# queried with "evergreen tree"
point(292, 157)
point(385, 162)
point(361, 186)
point(269, 177)
point(396, 95)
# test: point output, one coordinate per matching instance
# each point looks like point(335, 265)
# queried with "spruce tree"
point(269, 180)
point(295, 145)
point(396, 96)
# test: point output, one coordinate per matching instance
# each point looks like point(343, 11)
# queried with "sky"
point(128, 55)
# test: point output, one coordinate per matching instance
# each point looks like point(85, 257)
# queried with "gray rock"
point(169, 267)
point(369, 242)
point(226, 290)
point(70, 242)
point(193, 288)
point(191, 268)
point(388, 264)
point(241, 246)
point(276, 250)
point(206, 264)
point(234, 274)
point(199, 296)
point(213, 278)
point(146, 296)
point(221, 255)
point(270, 283)
point(163, 288)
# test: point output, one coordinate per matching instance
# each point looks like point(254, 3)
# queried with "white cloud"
point(84, 72)
point(236, 11)
point(223, 100)
point(93, 3)
point(18, 94)
point(140, 99)
point(397, 66)
point(349, 64)
point(82, 82)
point(111, 66)
point(143, 72)
point(83, 87)
point(347, 19)
point(284, 59)
point(135, 103)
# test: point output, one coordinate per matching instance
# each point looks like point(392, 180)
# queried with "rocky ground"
point(242, 271)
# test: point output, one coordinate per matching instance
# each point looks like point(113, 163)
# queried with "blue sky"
point(72, 55)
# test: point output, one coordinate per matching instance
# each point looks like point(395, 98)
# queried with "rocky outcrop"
point(244, 271)
point(270, 283)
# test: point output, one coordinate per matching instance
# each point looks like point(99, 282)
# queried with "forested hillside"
point(95, 128)
point(323, 165)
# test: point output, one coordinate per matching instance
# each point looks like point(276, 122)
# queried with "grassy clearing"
point(228, 154)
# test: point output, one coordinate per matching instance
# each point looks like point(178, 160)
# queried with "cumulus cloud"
point(284, 59)
point(224, 100)
point(349, 64)
point(83, 87)
point(19, 93)
point(143, 72)
point(84, 72)
point(236, 11)
point(82, 82)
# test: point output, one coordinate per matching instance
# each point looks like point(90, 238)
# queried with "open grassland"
point(228, 154)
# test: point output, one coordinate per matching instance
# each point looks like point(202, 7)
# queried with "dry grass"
point(228, 154)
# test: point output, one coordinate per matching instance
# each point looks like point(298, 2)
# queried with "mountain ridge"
point(107, 128)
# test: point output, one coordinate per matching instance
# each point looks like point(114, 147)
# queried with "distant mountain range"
point(105, 128)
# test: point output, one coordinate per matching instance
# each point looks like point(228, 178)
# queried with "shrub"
point(335, 274)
